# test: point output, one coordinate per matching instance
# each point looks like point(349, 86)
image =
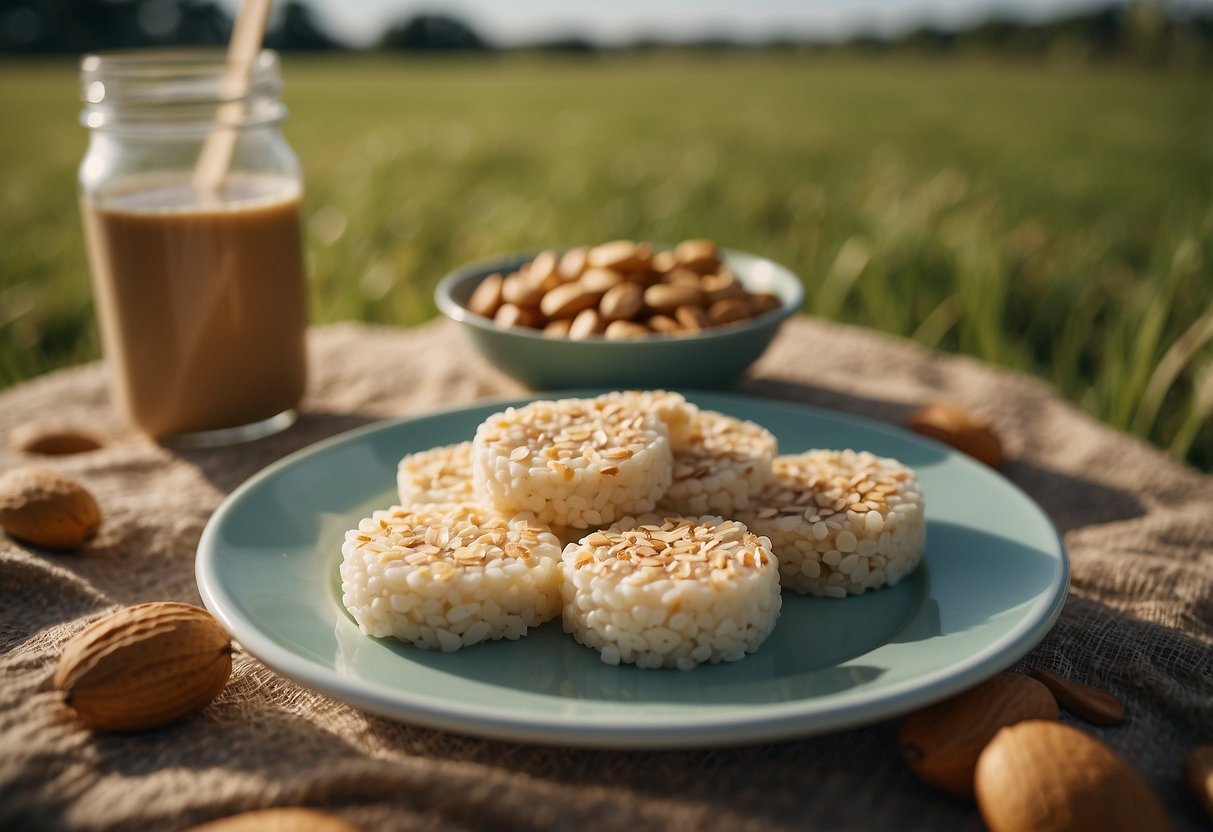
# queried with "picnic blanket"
point(1138, 621)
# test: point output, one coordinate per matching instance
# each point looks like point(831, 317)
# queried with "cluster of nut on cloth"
point(620, 290)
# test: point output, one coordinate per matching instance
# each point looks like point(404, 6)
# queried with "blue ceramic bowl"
point(711, 358)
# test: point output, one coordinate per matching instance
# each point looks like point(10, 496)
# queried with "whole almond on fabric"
point(964, 431)
point(1083, 701)
point(287, 819)
point(47, 509)
point(1198, 771)
point(144, 666)
point(1041, 776)
point(54, 439)
point(941, 743)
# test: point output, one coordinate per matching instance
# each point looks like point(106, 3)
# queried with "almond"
point(664, 323)
point(700, 256)
point(666, 297)
point(961, 429)
point(572, 264)
point(941, 743)
point(542, 269)
point(53, 439)
point(293, 819)
point(664, 261)
point(764, 302)
point(144, 666)
point(1045, 776)
point(682, 277)
point(1083, 701)
point(621, 302)
point(728, 311)
point(558, 328)
point(520, 290)
point(486, 300)
point(586, 323)
point(692, 318)
point(718, 287)
point(600, 280)
point(47, 509)
point(624, 331)
point(618, 254)
point(510, 315)
point(1198, 771)
point(567, 300)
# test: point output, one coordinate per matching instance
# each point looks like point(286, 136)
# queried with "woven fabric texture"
point(1138, 621)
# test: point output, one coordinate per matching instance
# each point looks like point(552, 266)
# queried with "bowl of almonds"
point(624, 313)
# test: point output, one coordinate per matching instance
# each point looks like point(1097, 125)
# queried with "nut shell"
point(961, 429)
point(941, 743)
point(289, 819)
point(1048, 777)
point(1088, 703)
point(54, 439)
point(144, 666)
point(47, 509)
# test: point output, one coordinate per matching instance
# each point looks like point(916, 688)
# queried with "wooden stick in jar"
point(243, 48)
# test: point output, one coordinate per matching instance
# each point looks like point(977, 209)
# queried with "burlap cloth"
point(1138, 622)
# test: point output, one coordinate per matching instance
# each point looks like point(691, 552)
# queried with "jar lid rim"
point(167, 60)
point(122, 84)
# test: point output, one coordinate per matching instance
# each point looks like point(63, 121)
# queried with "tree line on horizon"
point(1143, 31)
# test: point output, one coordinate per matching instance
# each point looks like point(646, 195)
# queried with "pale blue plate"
point(992, 583)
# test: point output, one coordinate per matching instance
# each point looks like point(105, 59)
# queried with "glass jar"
point(200, 292)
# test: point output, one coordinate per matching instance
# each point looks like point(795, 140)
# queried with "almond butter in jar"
point(200, 296)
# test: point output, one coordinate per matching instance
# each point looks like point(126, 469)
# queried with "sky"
point(511, 22)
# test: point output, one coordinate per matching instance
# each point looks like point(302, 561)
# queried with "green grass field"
point(1057, 219)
